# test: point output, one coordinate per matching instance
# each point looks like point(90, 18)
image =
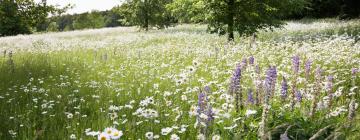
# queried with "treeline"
point(188, 11)
point(221, 16)
point(88, 20)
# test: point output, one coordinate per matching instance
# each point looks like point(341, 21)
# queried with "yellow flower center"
point(103, 138)
point(109, 131)
point(116, 134)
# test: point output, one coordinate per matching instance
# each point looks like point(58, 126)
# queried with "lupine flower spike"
point(266, 105)
point(284, 89)
point(235, 87)
point(329, 87)
point(318, 78)
point(352, 104)
point(296, 64)
point(258, 84)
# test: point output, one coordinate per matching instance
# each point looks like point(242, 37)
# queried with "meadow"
point(298, 82)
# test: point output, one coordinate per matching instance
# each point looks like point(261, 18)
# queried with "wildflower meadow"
point(297, 82)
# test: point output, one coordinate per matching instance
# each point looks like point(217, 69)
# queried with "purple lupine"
point(307, 68)
point(296, 64)
point(329, 84)
point(235, 87)
point(201, 102)
point(272, 72)
point(257, 69)
point(250, 96)
point(284, 88)
point(251, 60)
point(352, 104)
point(210, 114)
point(268, 90)
point(258, 84)
point(235, 80)
point(204, 108)
point(298, 96)
point(318, 73)
point(354, 71)
point(269, 80)
point(318, 77)
point(244, 63)
point(207, 89)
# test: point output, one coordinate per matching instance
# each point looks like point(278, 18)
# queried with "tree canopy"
point(222, 16)
point(146, 13)
point(23, 16)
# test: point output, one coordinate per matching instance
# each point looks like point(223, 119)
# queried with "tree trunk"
point(230, 22)
point(146, 24)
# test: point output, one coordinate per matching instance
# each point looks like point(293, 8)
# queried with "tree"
point(81, 21)
point(96, 19)
point(146, 13)
point(53, 27)
point(112, 18)
point(187, 11)
point(64, 22)
point(24, 16)
point(11, 21)
point(89, 20)
point(246, 16)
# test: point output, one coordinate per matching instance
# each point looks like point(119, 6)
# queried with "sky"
point(81, 6)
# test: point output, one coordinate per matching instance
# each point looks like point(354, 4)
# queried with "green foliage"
point(11, 20)
point(94, 19)
point(245, 17)
point(89, 20)
point(57, 77)
point(81, 22)
point(24, 16)
point(65, 22)
point(53, 27)
point(187, 11)
point(146, 13)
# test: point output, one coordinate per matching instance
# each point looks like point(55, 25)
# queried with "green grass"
point(83, 74)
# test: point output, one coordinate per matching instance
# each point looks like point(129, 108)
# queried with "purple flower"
point(284, 88)
point(201, 102)
point(329, 84)
point(210, 114)
point(235, 80)
point(270, 79)
point(307, 68)
point(250, 96)
point(251, 60)
point(274, 75)
point(207, 89)
point(354, 71)
point(318, 74)
point(244, 63)
point(204, 107)
point(296, 64)
point(257, 69)
point(298, 96)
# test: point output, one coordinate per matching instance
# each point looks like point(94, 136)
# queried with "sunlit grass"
point(63, 85)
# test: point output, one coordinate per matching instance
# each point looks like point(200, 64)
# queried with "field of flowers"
point(299, 82)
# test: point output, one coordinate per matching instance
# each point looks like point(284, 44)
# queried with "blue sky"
point(85, 5)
